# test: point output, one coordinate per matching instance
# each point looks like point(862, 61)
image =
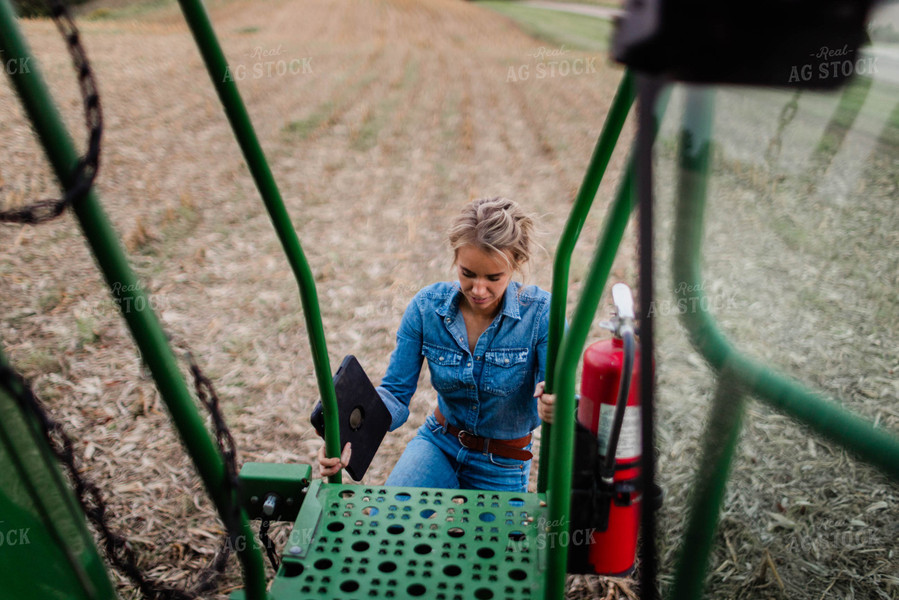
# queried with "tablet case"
point(364, 420)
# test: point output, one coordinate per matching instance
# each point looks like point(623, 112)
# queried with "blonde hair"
point(497, 225)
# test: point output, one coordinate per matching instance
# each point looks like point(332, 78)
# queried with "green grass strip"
point(574, 31)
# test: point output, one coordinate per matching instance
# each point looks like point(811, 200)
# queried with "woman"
point(485, 340)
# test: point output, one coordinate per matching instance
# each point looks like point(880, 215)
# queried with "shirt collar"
point(450, 306)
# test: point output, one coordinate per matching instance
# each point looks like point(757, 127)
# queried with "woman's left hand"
point(545, 402)
point(330, 466)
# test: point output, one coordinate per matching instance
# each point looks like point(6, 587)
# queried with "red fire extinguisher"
point(610, 408)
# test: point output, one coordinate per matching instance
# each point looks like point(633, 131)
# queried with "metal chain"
point(228, 450)
point(268, 544)
point(223, 439)
point(118, 551)
point(787, 114)
point(225, 442)
point(88, 165)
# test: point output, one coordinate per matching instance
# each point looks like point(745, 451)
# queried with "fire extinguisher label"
point(628, 440)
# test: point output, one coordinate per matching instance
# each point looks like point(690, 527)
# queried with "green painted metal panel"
point(353, 541)
point(287, 482)
point(46, 551)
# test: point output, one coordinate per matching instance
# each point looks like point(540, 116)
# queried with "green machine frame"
point(352, 540)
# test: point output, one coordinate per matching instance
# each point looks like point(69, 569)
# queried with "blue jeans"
point(436, 460)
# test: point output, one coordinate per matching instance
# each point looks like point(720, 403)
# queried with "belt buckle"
point(459, 437)
point(465, 445)
point(484, 449)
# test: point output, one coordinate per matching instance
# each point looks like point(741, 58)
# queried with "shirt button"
point(448, 320)
point(477, 358)
point(469, 364)
point(441, 358)
point(506, 361)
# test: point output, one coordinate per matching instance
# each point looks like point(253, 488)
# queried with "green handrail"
point(602, 153)
point(873, 445)
point(144, 326)
point(208, 44)
point(572, 346)
point(721, 436)
point(562, 438)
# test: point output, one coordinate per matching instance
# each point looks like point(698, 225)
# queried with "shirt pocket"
point(443, 364)
point(504, 370)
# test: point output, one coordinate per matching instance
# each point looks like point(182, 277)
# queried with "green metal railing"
point(204, 35)
point(562, 433)
point(602, 153)
point(738, 374)
point(571, 348)
point(126, 289)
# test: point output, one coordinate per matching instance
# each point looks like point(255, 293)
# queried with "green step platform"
point(357, 541)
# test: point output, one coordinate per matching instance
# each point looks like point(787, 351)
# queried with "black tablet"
point(364, 420)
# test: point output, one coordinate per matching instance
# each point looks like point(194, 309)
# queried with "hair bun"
point(496, 225)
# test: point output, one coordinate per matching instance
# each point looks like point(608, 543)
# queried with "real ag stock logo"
point(832, 63)
point(551, 63)
point(269, 63)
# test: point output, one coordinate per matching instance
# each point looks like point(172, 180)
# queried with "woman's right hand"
point(330, 466)
point(545, 403)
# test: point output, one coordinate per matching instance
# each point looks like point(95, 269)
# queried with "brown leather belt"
point(505, 448)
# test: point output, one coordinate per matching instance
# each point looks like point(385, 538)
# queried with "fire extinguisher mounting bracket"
point(615, 328)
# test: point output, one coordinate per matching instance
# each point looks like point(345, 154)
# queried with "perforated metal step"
point(353, 541)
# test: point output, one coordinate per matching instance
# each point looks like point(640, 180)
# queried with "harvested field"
point(395, 113)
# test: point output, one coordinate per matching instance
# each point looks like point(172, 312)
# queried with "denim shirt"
point(490, 392)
